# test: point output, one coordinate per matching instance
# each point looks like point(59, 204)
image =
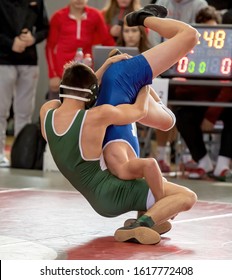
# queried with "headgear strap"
point(74, 96)
point(76, 88)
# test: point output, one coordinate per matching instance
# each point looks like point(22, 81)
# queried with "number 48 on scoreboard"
point(210, 58)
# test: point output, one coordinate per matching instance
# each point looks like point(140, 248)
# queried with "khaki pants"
point(18, 84)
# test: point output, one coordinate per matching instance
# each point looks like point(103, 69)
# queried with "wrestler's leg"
point(181, 39)
point(177, 199)
point(159, 116)
point(123, 163)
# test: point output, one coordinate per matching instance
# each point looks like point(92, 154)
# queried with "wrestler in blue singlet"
point(121, 83)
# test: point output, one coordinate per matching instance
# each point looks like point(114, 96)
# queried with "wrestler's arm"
point(127, 113)
point(159, 115)
point(52, 104)
point(99, 73)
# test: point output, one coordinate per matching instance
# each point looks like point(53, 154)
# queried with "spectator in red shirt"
point(74, 26)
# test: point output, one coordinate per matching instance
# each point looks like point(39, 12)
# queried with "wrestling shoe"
point(161, 229)
point(137, 232)
point(137, 17)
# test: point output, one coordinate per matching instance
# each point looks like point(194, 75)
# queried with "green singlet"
point(108, 195)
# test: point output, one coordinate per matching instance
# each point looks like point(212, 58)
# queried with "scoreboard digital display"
point(211, 58)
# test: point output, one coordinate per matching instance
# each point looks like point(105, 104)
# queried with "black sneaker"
point(157, 10)
point(137, 233)
point(137, 17)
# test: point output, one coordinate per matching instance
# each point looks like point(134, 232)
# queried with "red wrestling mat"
point(65, 223)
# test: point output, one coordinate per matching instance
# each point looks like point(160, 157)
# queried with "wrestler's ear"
point(93, 96)
point(61, 91)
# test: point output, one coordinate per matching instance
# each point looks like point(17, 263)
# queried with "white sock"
point(222, 164)
point(205, 163)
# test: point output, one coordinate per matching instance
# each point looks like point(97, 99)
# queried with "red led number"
point(182, 65)
point(226, 66)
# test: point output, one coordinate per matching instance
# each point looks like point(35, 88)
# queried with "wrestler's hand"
point(99, 73)
point(117, 58)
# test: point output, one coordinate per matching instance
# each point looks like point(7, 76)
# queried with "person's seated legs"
point(188, 122)
point(222, 171)
point(163, 151)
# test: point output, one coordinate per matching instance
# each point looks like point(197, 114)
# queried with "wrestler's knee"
point(189, 199)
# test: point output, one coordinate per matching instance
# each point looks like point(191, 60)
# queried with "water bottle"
point(88, 60)
point(79, 55)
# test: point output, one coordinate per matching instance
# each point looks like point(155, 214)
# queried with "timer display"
point(211, 58)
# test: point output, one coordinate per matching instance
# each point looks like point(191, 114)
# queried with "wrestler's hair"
point(208, 13)
point(78, 75)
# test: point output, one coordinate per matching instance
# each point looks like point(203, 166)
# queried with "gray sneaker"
point(4, 162)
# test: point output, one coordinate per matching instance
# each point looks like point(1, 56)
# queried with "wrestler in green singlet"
point(108, 195)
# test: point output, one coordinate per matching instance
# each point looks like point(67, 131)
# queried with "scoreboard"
point(211, 58)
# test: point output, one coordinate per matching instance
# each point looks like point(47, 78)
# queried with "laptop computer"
point(100, 53)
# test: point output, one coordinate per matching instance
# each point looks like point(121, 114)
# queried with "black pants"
point(188, 122)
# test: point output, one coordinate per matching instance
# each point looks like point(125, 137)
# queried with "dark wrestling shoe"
point(137, 17)
point(137, 233)
point(161, 229)
point(157, 10)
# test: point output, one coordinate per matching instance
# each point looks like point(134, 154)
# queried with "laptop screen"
point(100, 53)
point(211, 58)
